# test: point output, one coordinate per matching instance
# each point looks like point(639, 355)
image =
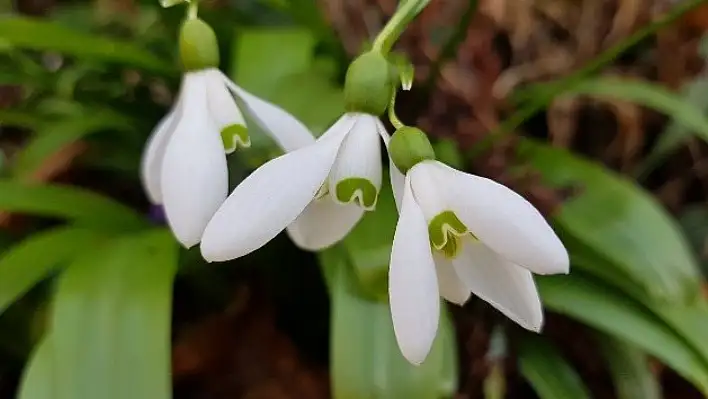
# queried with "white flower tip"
point(416, 354)
point(536, 325)
point(558, 261)
point(210, 252)
point(532, 321)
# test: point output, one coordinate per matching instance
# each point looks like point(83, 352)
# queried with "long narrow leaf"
point(676, 133)
point(111, 321)
point(609, 311)
point(24, 264)
point(38, 379)
point(653, 96)
point(690, 322)
point(39, 34)
point(617, 220)
point(55, 136)
point(366, 360)
point(630, 370)
point(83, 207)
point(549, 374)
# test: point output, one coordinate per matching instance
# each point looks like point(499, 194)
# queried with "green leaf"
point(629, 367)
point(26, 263)
point(312, 98)
point(548, 372)
point(111, 320)
point(368, 245)
point(366, 360)
point(607, 310)
point(38, 377)
point(690, 322)
point(420, 6)
point(694, 222)
point(78, 205)
point(37, 34)
point(25, 119)
point(695, 94)
point(686, 109)
point(308, 13)
point(299, 83)
point(53, 137)
point(613, 218)
point(264, 56)
point(648, 95)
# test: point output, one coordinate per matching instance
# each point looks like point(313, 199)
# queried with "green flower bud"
point(409, 145)
point(198, 48)
point(368, 86)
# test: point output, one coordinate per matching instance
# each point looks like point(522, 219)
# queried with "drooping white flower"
point(184, 164)
point(318, 193)
point(459, 234)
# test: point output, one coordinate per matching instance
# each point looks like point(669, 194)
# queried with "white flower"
point(459, 234)
point(184, 164)
point(318, 192)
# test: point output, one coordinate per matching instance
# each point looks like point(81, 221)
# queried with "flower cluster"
point(457, 234)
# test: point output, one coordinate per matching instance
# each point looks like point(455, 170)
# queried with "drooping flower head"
point(318, 193)
point(184, 164)
point(460, 234)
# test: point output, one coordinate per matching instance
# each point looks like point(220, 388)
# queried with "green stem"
point(193, 9)
point(392, 113)
point(598, 63)
point(395, 26)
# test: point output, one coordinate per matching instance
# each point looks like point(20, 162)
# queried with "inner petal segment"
point(359, 190)
point(446, 231)
point(234, 136)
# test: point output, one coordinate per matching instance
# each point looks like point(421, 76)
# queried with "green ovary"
point(234, 136)
point(357, 189)
point(445, 232)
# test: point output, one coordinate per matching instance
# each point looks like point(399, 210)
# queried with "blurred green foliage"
point(635, 279)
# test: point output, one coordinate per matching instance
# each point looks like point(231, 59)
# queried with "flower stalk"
point(397, 24)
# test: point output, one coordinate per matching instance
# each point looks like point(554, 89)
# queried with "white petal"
point(269, 200)
point(194, 177)
point(413, 286)
point(395, 175)
point(154, 153)
point(324, 223)
point(151, 162)
point(285, 129)
point(450, 285)
point(426, 189)
point(359, 157)
point(222, 105)
point(504, 285)
point(502, 220)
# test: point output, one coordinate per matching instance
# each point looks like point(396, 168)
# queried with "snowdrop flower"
point(318, 192)
point(184, 163)
point(459, 234)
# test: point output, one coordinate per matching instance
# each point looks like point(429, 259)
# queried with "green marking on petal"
point(357, 189)
point(452, 246)
point(445, 231)
point(234, 136)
